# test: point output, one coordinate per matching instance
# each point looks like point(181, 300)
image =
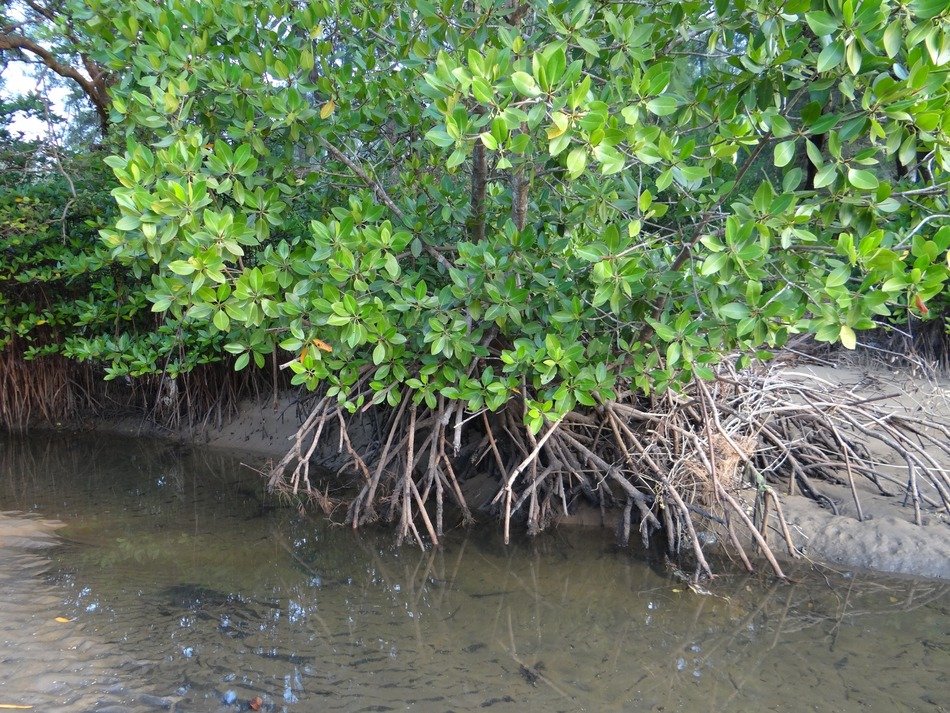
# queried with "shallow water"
point(184, 587)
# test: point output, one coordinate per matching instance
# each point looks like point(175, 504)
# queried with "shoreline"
point(887, 541)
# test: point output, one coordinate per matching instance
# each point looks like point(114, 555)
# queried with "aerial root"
point(710, 460)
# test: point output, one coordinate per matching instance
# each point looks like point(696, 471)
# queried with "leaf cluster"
point(556, 206)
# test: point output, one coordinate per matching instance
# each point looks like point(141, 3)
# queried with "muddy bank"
point(263, 428)
point(883, 535)
point(887, 539)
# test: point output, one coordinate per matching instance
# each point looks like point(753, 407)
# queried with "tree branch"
point(381, 193)
point(519, 198)
point(479, 182)
point(92, 88)
point(42, 11)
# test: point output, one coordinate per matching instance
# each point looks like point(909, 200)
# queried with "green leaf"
point(895, 284)
point(610, 159)
point(814, 153)
point(780, 127)
point(392, 266)
point(221, 320)
point(181, 267)
point(663, 331)
point(826, 175)
point(692, 174)
point(440, 137)
point(893, 39)
point(714, 263)
point(838, 276)
point(865, 180)
point(489, 141)
point(928, 9)
point(673, 352)
point(784, 153)
point(128, 222)
point(525, 84)
point(588, 45)
point(831, 56)
point(734, 310)
point(576, 161)
point(821, 23)
point(663, 105)
point(853, 56)
point(630, 114)
point(456, 158)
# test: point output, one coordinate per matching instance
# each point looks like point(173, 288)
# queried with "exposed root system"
point(49, 389)
point(712, 459)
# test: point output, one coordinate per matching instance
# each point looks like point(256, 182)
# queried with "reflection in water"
point(203, 593)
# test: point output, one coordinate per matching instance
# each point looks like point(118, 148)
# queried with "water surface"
point(184, 588)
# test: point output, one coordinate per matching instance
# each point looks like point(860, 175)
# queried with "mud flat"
point(887, 539)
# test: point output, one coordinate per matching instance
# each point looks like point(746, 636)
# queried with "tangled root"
point(677, 465)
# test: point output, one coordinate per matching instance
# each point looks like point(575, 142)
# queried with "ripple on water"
point(204, 599)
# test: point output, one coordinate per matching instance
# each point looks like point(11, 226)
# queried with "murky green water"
point(186, 588)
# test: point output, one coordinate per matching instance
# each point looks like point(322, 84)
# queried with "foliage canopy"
point(556, 200)
point(548, 204)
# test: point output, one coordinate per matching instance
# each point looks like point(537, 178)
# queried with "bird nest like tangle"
point(678, 465)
